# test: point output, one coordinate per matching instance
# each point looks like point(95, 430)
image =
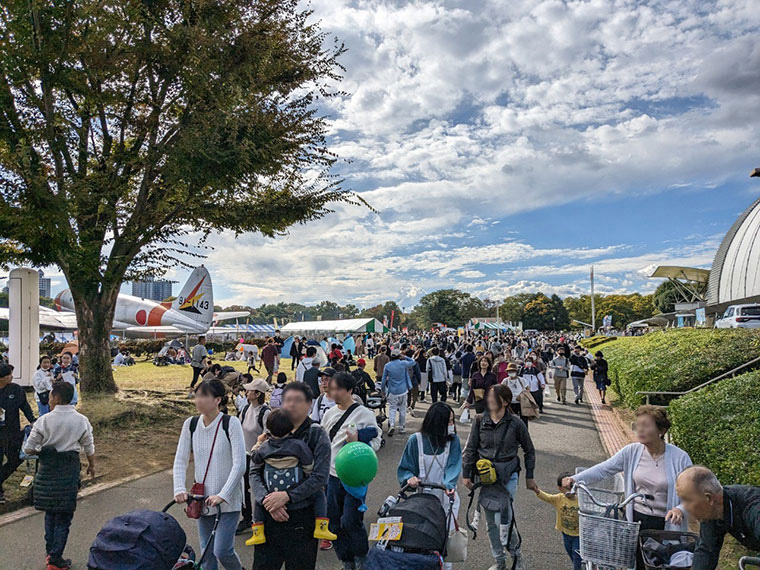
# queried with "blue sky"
point(507, 146)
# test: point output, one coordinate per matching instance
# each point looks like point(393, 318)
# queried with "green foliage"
point(676, 360)
point(448, 306)
point(665, 297)
point(623, 308)
point(719, 427)
point(595, 341)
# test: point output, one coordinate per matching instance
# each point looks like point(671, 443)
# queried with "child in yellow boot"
point(281, 463)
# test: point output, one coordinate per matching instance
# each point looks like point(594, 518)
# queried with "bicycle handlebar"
point(625, 503)
point(754, 561)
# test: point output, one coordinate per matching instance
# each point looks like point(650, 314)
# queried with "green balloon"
point(356, 464)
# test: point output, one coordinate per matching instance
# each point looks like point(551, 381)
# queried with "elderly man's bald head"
point(700, 492)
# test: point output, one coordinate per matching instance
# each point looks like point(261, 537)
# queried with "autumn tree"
point(132, 129)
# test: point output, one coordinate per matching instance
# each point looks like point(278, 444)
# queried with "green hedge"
point(719, 426)
point(676, 360)
point(594, 341)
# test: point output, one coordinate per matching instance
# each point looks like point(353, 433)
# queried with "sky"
point(507, 146)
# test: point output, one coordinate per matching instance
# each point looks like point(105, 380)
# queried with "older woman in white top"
point(219, 459)
point(650, 466)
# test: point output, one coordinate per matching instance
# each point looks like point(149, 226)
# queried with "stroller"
point(376, 402)
point(425, 531)
point(147, 540)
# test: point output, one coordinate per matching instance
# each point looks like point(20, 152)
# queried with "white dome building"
point(735, 273)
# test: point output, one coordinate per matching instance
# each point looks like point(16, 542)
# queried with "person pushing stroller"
point(281, 462)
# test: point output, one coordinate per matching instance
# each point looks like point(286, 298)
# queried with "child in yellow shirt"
point(567, 518)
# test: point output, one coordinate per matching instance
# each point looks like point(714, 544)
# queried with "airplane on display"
point(192, 312)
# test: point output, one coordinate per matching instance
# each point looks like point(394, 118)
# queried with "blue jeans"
point(57, 533)
point(43, 408)
point(346, 521)
point(495, 519)
point(223, 547)
point(572, 546)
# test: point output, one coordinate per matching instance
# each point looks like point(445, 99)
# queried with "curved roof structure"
point(735, 273)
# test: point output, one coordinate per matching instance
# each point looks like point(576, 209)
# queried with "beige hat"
point(258, 384)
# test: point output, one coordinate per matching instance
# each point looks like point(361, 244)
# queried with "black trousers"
point(247, 510)
point(437, 388)
point(538, 396)
point(290, 543)
point(648, 522)
point(196, 374)
point(9, 457)
point(516, 411)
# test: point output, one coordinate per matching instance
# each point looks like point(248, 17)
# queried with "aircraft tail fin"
point(196, 300)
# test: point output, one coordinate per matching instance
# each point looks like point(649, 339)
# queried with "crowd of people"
point(271, 466)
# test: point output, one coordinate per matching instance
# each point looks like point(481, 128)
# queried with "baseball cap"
point(259, 384)
point(396, 352)
point(361, 362)
point(329, 371)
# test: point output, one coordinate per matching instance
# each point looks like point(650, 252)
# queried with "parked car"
point(740, 317)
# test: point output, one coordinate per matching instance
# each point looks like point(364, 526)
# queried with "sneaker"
point(391, 430)
point(322, 531)
point(518, 563)
point(243, 527)
point(258, 536)
point(500, 565)
point(559, 400)
point(60, 564)
point(402, 430)
point(577, 400)
point(325, 545)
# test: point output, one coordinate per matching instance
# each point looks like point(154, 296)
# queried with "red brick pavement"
point(613, 433)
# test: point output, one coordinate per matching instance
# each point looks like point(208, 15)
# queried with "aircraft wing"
point(227, 315)
point(50, 319)
point(166, 331)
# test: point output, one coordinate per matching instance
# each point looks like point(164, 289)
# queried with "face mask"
point(513, 374)
point(452, 430)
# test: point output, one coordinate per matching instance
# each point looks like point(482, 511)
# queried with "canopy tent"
point(490, 326)
point(333, 327)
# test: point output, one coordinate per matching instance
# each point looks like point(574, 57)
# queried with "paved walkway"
point(612, 432)
point(566, 437)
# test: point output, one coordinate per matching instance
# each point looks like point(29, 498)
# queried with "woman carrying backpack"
point(218, 447)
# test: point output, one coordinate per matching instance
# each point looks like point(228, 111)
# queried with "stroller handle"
point(190, 499)
point(423, 485)
point(748, 560)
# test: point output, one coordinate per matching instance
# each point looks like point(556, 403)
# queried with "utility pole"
point(593, 303)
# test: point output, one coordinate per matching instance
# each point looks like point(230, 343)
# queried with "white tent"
point(341, 326)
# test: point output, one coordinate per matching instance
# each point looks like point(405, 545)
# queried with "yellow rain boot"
point(258, 535)
point(321, 530)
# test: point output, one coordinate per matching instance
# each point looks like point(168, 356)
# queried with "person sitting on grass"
point(566, 504)
point(281, 462)
point(58, 437)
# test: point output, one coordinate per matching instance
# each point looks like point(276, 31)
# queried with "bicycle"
point(608, 540)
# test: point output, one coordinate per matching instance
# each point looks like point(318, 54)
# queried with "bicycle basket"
point(608, 542)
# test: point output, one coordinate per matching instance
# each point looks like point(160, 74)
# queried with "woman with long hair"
point(480, 381)
point(217, 443)
point(434, 455)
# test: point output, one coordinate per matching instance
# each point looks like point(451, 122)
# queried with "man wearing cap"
point(396, 383)
point(12, 401)
point(253, 418)
point(323, 402)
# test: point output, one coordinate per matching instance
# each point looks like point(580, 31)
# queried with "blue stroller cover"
point(140, 540)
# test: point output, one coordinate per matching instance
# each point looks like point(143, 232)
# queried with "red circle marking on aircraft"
point(141, 317)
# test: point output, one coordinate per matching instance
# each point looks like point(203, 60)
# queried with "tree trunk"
point(94, 320)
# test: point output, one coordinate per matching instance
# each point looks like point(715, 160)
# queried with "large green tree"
point(129, 129)
point(448, 306)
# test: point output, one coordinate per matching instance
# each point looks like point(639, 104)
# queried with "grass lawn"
point(136, 430)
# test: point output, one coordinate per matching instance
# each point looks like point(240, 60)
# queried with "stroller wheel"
point(382, 442)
